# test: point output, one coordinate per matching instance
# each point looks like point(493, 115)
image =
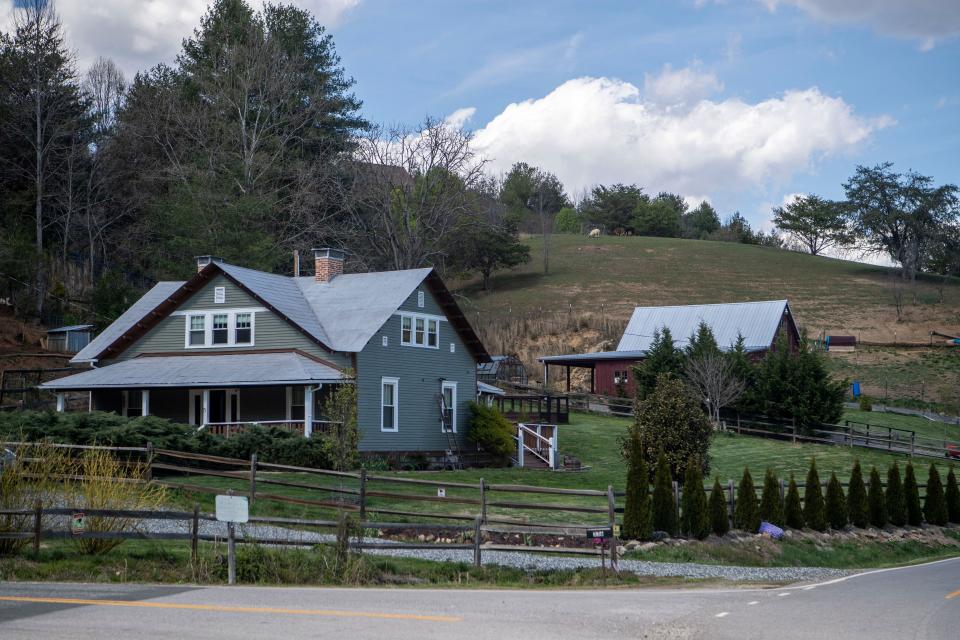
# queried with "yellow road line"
point(231, 609)
point(952, 595)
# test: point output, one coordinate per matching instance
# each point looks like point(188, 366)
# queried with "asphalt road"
point(915, 602)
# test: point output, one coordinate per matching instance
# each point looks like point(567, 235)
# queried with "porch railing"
point(537, 445)
point(227, 429)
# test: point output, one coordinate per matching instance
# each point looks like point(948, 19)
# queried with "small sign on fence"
point(77, 524)
point(233, 509)
point(441, 492)
point(600, 533)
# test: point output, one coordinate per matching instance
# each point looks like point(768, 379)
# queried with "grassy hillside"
point(594, 283)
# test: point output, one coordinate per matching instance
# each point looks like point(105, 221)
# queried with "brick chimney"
point(328, 263)
point(203, 261)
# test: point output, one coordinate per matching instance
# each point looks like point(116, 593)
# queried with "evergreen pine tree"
point(836, 504)
point(746, 515)
point(792, 511)
point(878, 504)
point(663, 358)
point(935, 504)
point(911, 493)
point(636, 512)
point(896, 501)
point(814, 509)
point(664, 507)
point(858, 509)
point(953, 497)
point(719, 517)
point(771, 508)
point(695, 520)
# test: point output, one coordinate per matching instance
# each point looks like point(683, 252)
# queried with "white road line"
point(722, 614)
point(783, 595)
point(754, 602)
point(813, 586)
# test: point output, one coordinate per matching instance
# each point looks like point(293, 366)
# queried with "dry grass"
point(33, 476)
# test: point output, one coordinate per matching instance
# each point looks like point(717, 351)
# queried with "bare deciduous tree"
point(712, 377)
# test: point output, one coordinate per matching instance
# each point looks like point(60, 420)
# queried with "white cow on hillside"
point(595, 233)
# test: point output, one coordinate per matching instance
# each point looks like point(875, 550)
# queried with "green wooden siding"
point(270, 331)
point(419, 371)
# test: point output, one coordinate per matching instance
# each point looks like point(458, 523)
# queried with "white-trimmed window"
point(221, 328)
point(243, 328)
point(420, 299)
point(448, 406)
point(132, 403)
point(219, 295)
point(389, 404)
point(196, 331)
point(296, 403)
point(419, 330)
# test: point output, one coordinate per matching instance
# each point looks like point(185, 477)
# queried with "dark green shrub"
point(877, 501)
point(814, 509)
point(836, 504)
point(953, 497)
point(896, 501)
point(792, 511)
point(695, 519)
point(491, 432)
point(865, 403)
point(719, 516)
point(911, 493)
point(858, 509)
point(935, 504)
point(746, 514)
point(637, 523)
point(664, 505)
point(771, 508)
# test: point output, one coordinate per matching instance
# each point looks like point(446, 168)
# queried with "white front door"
point(448, 397)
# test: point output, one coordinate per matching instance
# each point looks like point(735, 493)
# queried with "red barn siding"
point(604, 383)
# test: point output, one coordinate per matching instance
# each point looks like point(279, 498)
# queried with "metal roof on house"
point(489, 389)
point(73, 327)
point(757, 322)
point(195, 371)
point(591, 357)
point(147, 303)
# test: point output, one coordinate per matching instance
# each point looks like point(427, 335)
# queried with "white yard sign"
point(233, 509)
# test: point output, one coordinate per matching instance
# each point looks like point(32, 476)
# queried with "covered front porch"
point(220, 394)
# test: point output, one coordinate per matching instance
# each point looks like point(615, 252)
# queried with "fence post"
point(782, 492)
point(195, 533)
point(612, 511)
point(733, 500)
point(149, 473)
point(363, 495)
point(913, 440)
point(253, 477)
point(850, 434)
point(483, 501)
point(793, 425)
point(476, 541)
point(676, 499)
point(37, 525)
point(738, 424)
point(231, 554)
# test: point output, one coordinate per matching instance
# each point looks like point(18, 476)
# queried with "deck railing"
point(228, 429)
point(537, 442)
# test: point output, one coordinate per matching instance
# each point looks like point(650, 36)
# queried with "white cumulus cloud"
point(138, 34)
point(674, 86)
point(602, 130)
point(928, 21)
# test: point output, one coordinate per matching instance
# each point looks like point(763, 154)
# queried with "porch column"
point(307, 411)
point(568, 378)
point(89, 401)
point(61, 402)
point(145, 402)
point(593, 370)
point(206, 406)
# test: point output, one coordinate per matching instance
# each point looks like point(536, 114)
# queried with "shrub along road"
point(922, 601)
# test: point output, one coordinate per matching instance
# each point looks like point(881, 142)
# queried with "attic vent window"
point(219, 295)
point(420, 299)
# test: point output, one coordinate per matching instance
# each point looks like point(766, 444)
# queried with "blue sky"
point(742, 102)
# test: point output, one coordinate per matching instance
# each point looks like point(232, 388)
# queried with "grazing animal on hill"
point(595, 233)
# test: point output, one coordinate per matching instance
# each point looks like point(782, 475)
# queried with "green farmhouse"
point(234, 346)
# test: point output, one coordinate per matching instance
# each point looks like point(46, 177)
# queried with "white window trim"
point(395, 382)
point(449, 384)
point(426, 317)
point(208, 327)
point(219, 295)
point(126, 402)
point(421, 299)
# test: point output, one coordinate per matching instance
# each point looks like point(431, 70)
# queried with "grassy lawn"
point(169, 562)
point(591, 438)
point(844, 554)
point(923, 427)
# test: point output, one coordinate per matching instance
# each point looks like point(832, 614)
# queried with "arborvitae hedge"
point(746, 515)
point(858, 509)
point(836, 504)
point(792, 511)
point(896, 500)
point(771, 508)
point(935, 504)
point(911, 493)
point(878, 503)
point(695, 519)
point(953, 497)
point(719, 517)
point(664, 507)
point(814, 509)
point(637, 523)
